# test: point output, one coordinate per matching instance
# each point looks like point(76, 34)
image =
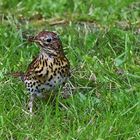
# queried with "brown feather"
point(17, 75)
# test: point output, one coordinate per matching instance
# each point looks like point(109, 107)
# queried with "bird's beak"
point(33, 39)
point(36, 40)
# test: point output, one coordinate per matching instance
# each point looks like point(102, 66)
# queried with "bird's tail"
point(17, 75)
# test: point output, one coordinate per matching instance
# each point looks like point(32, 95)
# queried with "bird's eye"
point(48, 39)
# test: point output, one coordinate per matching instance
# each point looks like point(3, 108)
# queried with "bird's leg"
point(65, 92)
point(31, 103)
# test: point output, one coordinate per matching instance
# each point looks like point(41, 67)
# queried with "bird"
point(48, 70)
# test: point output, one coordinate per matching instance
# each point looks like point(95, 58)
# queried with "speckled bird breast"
point(47, 73)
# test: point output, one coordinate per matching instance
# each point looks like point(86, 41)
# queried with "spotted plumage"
point(49, 69)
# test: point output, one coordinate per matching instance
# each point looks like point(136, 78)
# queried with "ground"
point(102, 42)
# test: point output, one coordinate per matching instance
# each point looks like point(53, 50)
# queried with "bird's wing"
point(32, 66)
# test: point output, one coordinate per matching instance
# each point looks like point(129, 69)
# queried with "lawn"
point(101, 39)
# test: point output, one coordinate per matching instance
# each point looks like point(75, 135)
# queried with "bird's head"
point(49, 42)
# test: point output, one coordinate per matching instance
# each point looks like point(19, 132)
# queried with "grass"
point(101, 40)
